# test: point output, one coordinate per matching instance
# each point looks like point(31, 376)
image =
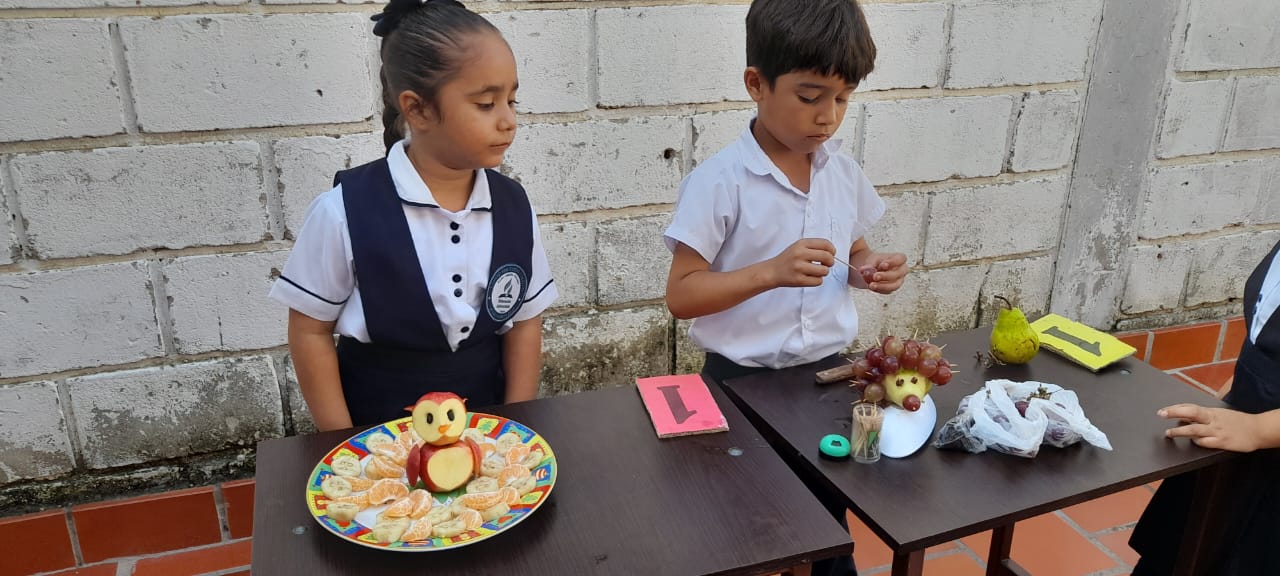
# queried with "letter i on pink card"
point(681, 405)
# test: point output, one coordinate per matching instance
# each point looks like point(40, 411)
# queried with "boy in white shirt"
point(759, 226)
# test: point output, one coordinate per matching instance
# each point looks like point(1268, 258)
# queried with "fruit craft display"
point(900, 371)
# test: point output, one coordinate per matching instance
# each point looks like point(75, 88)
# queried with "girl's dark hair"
point(824, 36)
point(421, 50)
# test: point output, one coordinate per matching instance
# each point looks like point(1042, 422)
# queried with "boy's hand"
point(884, 272)
point(803, 264)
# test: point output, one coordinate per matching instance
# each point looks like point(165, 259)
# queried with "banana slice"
point(438, 515)
point(389, 530)
point(342, 512)
point(346, 465)
point(507, 441)
point(475, 435)
point(533, 459)
point(526, 486)
point(377, 439)
point(483, 484)
point(494, 513)
point(492, 467)
point(449, 529)
point(335, 486)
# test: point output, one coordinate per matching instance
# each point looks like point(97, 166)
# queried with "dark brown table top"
point(935, 496)
point(625, 502)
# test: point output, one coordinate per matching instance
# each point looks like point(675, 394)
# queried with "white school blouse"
point(319, 278)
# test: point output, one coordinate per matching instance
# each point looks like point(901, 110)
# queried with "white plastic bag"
point(989, 418)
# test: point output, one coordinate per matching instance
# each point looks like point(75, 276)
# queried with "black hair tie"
point(389, 19)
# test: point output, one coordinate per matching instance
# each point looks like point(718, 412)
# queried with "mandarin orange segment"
point(517, 454)
point(387, 490)
point(399, 509)
point(482, 500)
point(360, 483)
point(422, 502)
point(471, 518)
point(419, 531)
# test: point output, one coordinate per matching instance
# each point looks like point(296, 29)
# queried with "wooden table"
point(625, 503)
point(935, 496)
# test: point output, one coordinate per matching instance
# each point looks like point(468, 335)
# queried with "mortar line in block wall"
point(273, 189)
point(9, 189)
point(199, 137)
point(945, 73)
point(953, 183)
point(1228, 231)
point(368, 125)
point(1196, 76)
point(279, 365)
point(148, 254)
point(126, 81)
point(1216, 157)
point(1221, 144)
point(69, 416)
point(255, 7)
point(158, 361)
point(160, 297)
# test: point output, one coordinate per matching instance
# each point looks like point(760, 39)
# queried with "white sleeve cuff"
point(295, 296)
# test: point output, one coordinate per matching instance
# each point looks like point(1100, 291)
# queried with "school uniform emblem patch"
point(505, 293)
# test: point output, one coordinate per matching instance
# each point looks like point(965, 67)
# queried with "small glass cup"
point(865, 434)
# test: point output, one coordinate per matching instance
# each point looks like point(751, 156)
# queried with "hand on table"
point(1218, 428)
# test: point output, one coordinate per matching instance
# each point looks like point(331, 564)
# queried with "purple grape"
point(890, 365)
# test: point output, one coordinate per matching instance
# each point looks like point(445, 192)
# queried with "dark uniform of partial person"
point(1250, 539)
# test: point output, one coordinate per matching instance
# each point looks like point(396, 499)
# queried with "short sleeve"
point(542, 286)
point(704, 214)
point(868, 204)
point(318, 278)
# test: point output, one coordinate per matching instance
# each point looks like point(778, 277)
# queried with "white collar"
point(413, 191)
point(758, 162)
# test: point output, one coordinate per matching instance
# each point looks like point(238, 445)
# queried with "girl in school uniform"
point(427, 264)
point(1250, 542)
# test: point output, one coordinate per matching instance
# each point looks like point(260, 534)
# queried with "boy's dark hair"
point(421, 51)
point(824, 36)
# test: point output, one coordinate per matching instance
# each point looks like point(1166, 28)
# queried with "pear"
point(1013, 341)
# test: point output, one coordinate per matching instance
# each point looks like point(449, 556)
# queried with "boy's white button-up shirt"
point(737, 209)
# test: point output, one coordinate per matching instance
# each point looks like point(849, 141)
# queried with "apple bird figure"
point(444, 461)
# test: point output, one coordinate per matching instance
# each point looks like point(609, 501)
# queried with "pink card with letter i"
point(681, 405)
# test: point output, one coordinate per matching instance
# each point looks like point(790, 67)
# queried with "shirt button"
point(453, 226)
point(457, 277)
point(466, 329)
point(457, 292)
point(456, 239)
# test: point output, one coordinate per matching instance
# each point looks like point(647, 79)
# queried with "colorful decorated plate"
point(394, 523)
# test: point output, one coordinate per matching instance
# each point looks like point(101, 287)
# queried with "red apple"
point(475, 452)
point(447, 468)
point(413, 467)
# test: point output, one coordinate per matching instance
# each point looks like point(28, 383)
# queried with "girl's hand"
point(1218, 428)
point(884, 272)
point(803, 264)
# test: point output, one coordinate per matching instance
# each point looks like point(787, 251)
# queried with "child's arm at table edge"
point(522, 359)
point(315, 359)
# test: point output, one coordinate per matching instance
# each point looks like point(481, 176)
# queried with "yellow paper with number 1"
point(1079, 343)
